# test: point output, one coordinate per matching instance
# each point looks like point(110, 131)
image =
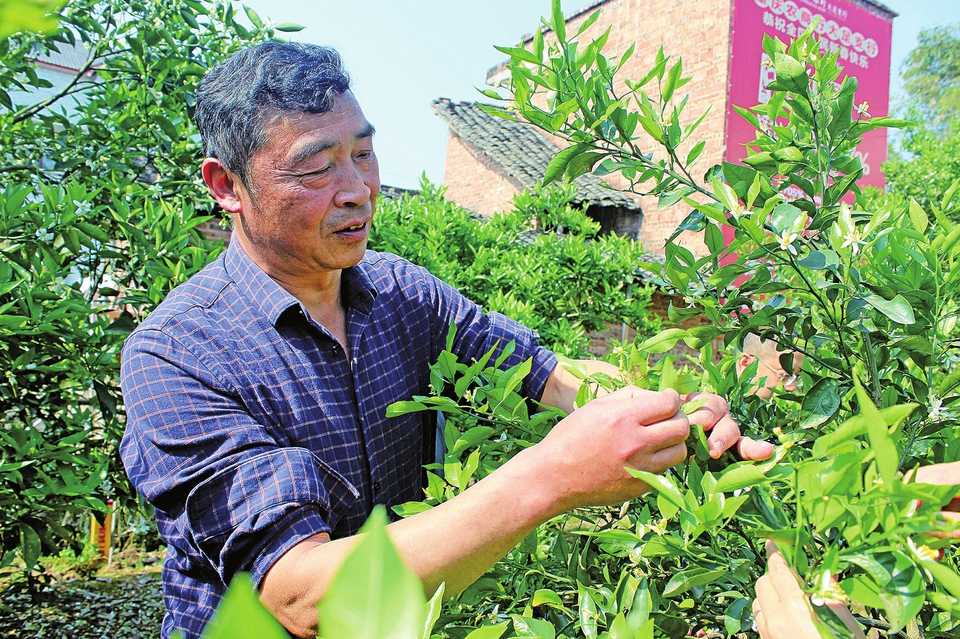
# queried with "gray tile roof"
point(521, 151)
point(66, 56)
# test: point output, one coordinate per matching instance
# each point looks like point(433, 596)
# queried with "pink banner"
point(862, 37)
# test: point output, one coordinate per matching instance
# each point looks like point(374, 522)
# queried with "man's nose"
point(352, 188)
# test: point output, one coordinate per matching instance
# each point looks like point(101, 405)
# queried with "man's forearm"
point(455, 542)
point(579, 463)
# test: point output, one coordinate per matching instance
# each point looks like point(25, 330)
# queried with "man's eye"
point(316, 173)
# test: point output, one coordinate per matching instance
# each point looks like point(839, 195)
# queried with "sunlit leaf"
point(373, 595)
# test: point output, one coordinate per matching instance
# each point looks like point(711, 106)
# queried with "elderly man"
point(256, 393)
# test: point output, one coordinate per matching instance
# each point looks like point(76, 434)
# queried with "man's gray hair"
point(239, 97)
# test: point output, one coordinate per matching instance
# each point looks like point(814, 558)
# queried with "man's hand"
point(582, 460)
point(724, 433)
point(781, 610)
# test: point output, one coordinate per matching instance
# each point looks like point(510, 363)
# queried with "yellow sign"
point(102, 536)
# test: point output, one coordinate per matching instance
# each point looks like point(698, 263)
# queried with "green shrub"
point(563, 285)
point(98, 223)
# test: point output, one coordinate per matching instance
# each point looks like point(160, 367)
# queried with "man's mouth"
point(354, 228)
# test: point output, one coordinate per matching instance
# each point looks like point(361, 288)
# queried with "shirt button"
point(336, 349)
point(376, 487)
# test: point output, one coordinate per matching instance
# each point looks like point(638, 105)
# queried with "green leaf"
point(254, 18)
point(695, 152)
point(548, 597)
point(918, 216)
point(30, 544)
point(864, 590)
point(881, 443)
point(489, 632)
point(831, 443)
point(725, 194)
point(663, 485)
point(557, 22)
point(532, 628)
point(374, 595)
point(740, 476)
point(737, 616)
point(687, 579)
point(713, 238)
point(673, 77)
point(168, 128)
point(819, 404)
point(431, 612)
point(815, 261)
point(663, 341)
point(29, 15)
point(944, 576)
point(791, 74)
point(289, 27)
point(786, 217)
point(558, 165)
point(471, 438)
point(240, 614)
point(898, 309)
point(788, 154)
point(519, 53)
point(397, 409)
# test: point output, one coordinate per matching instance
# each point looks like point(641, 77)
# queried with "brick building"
point(507, 157)
point(719, 42)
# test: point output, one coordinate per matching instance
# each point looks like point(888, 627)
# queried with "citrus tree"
point(562, 285)
point(868, 295)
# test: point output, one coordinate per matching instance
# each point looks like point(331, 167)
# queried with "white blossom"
point(829, 591)
point(786, 240)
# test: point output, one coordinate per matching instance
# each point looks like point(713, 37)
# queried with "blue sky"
point(403, 54)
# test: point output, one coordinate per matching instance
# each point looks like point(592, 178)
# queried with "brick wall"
point(698, 31)
point(474, 182)
point(214, 231)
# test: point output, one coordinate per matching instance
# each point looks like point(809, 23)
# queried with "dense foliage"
point(563, 284)
point(98, 218)
point(97, 234)
point(868, 296)
point(923, 160)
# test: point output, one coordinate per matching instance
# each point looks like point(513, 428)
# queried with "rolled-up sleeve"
point(248, 515)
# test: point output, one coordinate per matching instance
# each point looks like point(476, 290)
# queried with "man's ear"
point(223, 183)
point(742, 362)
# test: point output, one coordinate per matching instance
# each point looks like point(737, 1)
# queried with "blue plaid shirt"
point(250, 429)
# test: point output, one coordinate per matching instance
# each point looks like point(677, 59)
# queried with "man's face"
point(312, 192)
point(770, 373)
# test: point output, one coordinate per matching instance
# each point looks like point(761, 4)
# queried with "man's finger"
point(645, 406)
point(723, 435)
point(668, 457)
point(754, 450)
point(708, 413)
point(666, 433)
point(954, 532)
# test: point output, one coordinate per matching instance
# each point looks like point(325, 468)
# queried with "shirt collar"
point(272, 300)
